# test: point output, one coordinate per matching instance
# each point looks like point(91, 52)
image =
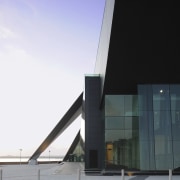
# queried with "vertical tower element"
point(93, 123)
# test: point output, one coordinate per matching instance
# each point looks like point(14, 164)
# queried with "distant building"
point(131, 104)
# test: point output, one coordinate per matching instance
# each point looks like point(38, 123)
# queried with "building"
point(131, 104)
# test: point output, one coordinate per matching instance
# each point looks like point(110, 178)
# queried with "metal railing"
point(40, 176)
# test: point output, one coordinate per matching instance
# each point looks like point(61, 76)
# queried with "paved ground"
point(64, 171)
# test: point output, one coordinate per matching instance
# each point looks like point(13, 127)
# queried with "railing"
point(37, 176)
point(40, 176)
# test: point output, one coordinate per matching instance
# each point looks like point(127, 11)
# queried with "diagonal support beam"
point(72, 147)
point(74, 111)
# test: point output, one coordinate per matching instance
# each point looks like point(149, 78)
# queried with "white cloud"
point(11, 52)
point(6, 33)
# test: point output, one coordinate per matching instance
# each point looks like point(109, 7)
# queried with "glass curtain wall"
point(121, 132)
point(142, 131)
point(155, 127)
point(158, 122)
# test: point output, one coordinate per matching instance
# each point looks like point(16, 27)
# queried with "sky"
point(46, 48)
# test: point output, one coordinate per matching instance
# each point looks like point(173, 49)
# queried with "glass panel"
point(147, 157)
point(175, 113)
point(146, 125)
point(114, 123)
point(114, 135)
point(176, 150)
point(164, 162)
point(175, 97)
point(145, 97)
point(162, 124)
point(161, 99)
point(131, 105)
point(128, 123)
point(114, 105)
point(144, 155)
point(131, 123)
point(163, 152)
point(175, 125)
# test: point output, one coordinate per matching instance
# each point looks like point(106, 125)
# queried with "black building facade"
point(131, 104)
point(137, 63)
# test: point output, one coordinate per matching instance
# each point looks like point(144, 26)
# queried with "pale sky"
point(46, 48)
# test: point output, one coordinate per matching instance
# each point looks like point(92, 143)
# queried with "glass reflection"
point(121, 132)
point(142, 132)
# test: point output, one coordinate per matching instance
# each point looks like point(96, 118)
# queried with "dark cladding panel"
point(144, 45)
point(93, 123)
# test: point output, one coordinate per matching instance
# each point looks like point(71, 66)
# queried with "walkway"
point(64, 171)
